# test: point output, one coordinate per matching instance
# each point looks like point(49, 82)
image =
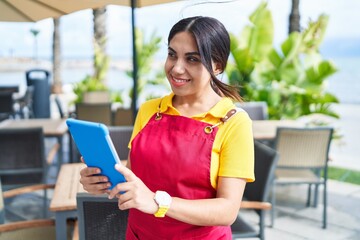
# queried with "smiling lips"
point(178, 82)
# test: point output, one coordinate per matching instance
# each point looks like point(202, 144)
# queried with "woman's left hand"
point(133, 193)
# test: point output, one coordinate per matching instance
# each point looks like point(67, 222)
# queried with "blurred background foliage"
point(291, 78)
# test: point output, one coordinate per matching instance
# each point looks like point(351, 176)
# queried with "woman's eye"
point(171, 54)
point(193, 59)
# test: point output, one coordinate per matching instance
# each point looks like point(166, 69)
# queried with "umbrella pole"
point(135, 67)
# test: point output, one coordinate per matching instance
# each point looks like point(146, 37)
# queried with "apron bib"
point(173, 154)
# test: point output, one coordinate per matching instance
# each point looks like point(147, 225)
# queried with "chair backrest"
point(99, 112)
point(120, 135)
point(100, 218)
point(303, 147)
point(26, 102)
point(22, 156)
point(6, 105)
point(256, 110)
point(265, 163)
point(123, 117)
point(59, 106)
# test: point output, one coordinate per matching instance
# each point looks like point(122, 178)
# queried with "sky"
point(342, 36)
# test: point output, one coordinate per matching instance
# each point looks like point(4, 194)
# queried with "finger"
point(82, 159)
point(119, 189)
point(95, 183)
point(125, 204)
point(115, 190)
point(99, 188)
point(94, 179)
point(127, 173)
point(89, 171)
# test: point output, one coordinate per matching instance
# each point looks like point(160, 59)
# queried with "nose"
point(178, 67)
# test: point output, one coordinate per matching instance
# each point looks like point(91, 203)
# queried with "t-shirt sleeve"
point(137, 127)
point(146, 111)
point(237, 150)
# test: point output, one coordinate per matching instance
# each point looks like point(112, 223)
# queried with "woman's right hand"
point(93, 182)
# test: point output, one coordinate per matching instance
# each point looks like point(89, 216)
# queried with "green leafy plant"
point(95, 82)
point(292, 79)
point(146, 50)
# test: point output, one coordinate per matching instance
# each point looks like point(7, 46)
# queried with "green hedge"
point(344, 175)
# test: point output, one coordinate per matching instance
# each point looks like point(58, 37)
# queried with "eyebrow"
point(187, 54)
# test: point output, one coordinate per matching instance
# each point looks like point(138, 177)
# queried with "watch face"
point(162, 198)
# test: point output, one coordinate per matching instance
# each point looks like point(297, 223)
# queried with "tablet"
point(95, 145)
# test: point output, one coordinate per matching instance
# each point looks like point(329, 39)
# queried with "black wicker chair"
point(100, 218)
point(120, 135)
point(28, 229)
point(6, 105)
point(256, 194)
point(22, 159)
point(256, 110)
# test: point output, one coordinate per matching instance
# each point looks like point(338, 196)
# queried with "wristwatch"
point(163, 199)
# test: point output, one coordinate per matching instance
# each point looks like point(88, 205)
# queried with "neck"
point(193, 105)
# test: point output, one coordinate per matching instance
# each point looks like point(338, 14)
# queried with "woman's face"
point(184, 70)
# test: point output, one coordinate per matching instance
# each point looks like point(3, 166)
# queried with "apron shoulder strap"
point(231, 113)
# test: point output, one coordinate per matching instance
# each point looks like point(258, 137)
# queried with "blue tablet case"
point(95, 145)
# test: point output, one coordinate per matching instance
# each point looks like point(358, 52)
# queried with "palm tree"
point(100, 29)
point(35, 32)
point(56, 48)
point(294, 18)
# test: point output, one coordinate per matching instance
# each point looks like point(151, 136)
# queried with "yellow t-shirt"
point(233, 148)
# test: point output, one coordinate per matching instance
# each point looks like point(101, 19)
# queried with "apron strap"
point(229, 114)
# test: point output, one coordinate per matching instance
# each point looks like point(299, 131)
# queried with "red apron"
point(173, 154)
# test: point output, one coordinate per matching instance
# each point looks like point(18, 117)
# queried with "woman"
point(191, 151)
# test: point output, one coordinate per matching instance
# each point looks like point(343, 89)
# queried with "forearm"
point(205, 212)
point(221, 210)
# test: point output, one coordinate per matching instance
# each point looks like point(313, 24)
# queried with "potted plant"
point(93, 98)
point(92, 89)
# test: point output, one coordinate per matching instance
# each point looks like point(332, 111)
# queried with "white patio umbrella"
point(36, 10)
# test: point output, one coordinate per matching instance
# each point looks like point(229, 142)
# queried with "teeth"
point(180, 80)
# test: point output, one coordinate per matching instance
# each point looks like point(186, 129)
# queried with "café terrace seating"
point(256, 194)
point(98, 217)
point(43, 228)
point(6, 106)
point(303, 159)
point(256, 110)
point(23, 161)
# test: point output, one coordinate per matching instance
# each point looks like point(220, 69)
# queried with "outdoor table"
point(63, 203)
point(9, 88)
point(266, 129)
